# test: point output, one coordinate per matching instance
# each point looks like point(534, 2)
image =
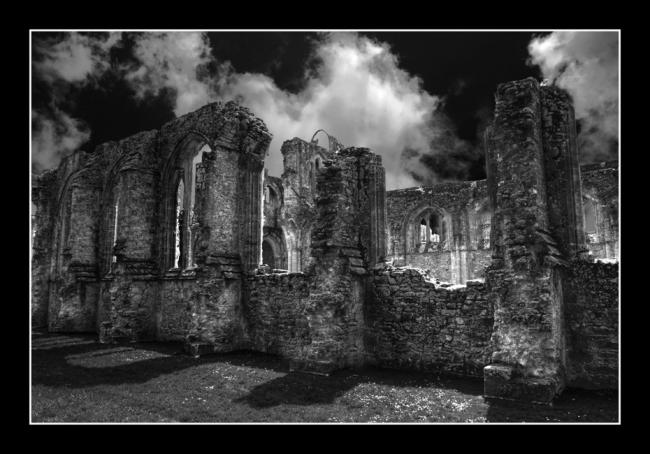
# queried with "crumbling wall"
point(298, 212)
point(462, 253)
point(276, 313)
point(72, 273)
point(592, 326)
point(413, 323)
point(600, 191)
point(42, 226)
point(525, 279)
point(174, 316)
point(111, 214)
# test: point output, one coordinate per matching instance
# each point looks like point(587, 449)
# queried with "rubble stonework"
point(179, 234)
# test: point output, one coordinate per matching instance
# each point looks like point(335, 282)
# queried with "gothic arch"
point(427, 227)
point(181, 165)
point(274, 243)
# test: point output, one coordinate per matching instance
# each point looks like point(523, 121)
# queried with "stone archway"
point(274, 249)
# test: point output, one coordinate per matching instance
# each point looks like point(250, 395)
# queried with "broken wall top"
point(227, 126)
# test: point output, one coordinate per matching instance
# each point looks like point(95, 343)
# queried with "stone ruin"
point(179, 234)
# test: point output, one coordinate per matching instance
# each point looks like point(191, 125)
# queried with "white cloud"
point(171, 60)
point(586, 65)
point(358, 93)
point(55, 137)
point(74, 60)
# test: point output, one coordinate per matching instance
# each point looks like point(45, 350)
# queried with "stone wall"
point(592, 326)
point(525, 280)
point(276, 313)
point(298, 211)
point(545, 317)
point(463, 208)
point(601, 205)
point(413, 323)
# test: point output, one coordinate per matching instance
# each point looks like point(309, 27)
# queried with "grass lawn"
point(76, 379)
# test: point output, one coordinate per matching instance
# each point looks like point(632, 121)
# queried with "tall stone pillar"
point(562, 172)
point(525, 278)
point(377, 209)
point(341, 247)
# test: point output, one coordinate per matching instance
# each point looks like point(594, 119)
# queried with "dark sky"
point(462, 67)
point(480, 59)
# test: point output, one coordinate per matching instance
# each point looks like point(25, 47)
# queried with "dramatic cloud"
point(60, 64)
point(176, 61)
point(76, 58)
point(54, 138)
point(355, 90)
point(357, 93)
point(586, 65)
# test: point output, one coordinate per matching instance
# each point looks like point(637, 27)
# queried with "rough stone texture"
point(298, 211)
point(600, 202)
point(105, 231)
point(413, 323)
point(592, 326)
point(276, 313)
point(561, 171)
point(463, 251)
point(178, 234)
point(524, 282)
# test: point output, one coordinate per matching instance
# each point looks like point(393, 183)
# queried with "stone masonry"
point(179, 234)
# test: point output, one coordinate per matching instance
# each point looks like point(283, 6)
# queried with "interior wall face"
point(455, 255)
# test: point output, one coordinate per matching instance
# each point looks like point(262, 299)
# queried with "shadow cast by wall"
point(299, 388)
point(52, 366)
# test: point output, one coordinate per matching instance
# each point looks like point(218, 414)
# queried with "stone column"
point(523, 280)
point(340, 248)
point(377, 208)
point(562, 172)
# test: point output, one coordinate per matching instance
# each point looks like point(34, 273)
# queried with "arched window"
point(179, 225)
point(425, 231)
point(184, 204)
point(116, 209)
point(434, 227)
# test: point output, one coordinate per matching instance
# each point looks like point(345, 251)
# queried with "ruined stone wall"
point(413, 323)
point(140, 294)
point(525, 280)
point(592, 325)
point(600, 202)
point(276, 313)
point(299, 189)
point(463, 207)
point(42, 227)
point(67, 241)
point(315, 318)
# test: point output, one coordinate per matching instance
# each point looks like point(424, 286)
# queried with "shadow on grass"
point(54, 358)
point(573, 405)
point(298, 388)
point(51, 364)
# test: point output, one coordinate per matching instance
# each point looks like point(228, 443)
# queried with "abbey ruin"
point(179, 234)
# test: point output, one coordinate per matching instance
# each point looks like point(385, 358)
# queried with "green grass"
point(76, 379)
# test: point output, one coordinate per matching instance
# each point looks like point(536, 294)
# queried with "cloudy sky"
point(420, 99)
